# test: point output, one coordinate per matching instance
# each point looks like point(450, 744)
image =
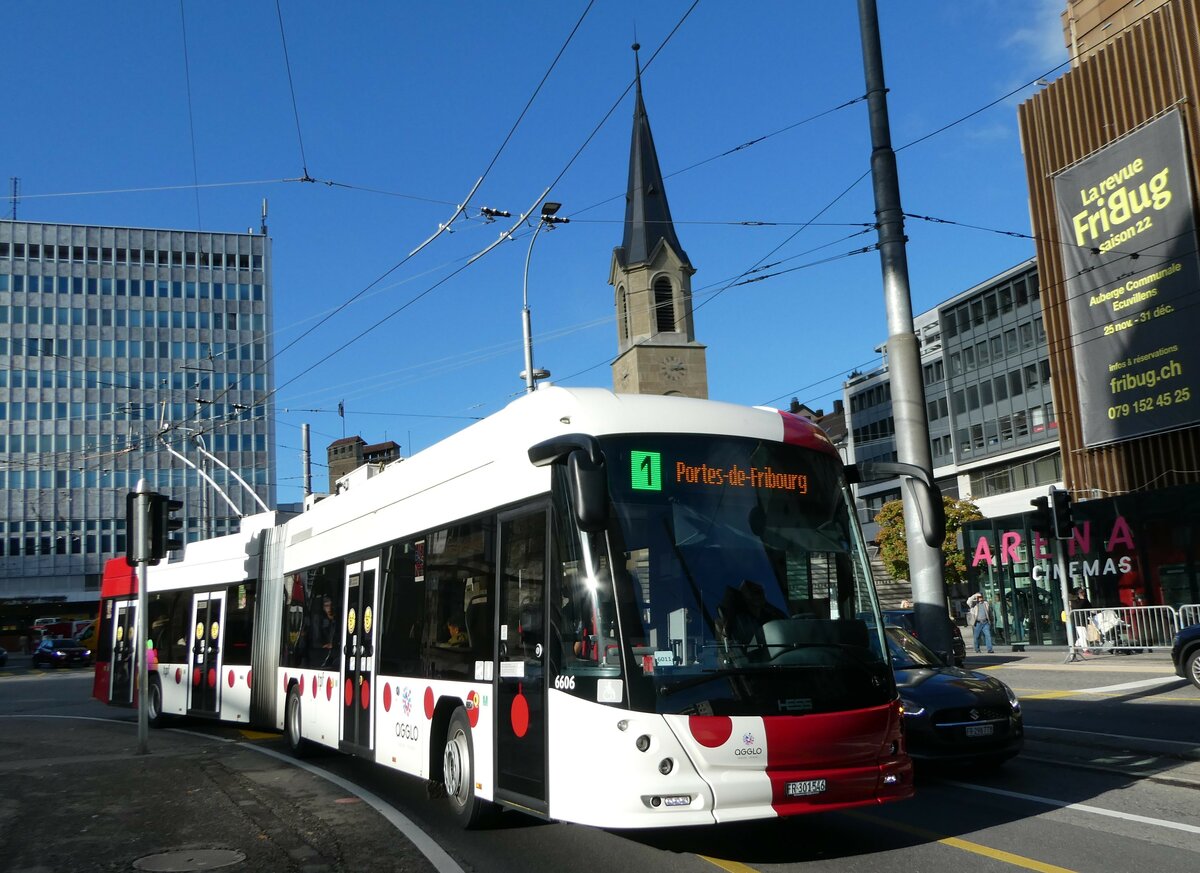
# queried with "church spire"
point(647, 215)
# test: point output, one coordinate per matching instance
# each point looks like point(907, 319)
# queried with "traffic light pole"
point(140, 552)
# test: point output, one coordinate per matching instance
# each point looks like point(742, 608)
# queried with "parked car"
point(951, 713)
point(1185, 654)
point(907, 619)
point(3, 656)
point(61, 652)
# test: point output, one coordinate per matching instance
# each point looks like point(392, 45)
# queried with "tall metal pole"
point(306, 457)
point(926, 571)
point(141, 539)
point(527, 328)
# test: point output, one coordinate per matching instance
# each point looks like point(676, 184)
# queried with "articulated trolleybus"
point(618, 610)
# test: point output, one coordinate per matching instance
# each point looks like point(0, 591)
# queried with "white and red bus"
point(619, 610)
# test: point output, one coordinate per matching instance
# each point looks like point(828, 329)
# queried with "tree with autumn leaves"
point(893, 547)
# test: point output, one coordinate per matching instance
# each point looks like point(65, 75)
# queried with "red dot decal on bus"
point(364, 695)
point(249, 674)
point(231, 678)
point(196, 676)
point(473, 708)
point(314, 691)
point(428, 702)
point(212, 677)
point(711, 730)
point(349, 694)
point(387, 698)
point(519, 714)
point(328, 688)
point(178, 675)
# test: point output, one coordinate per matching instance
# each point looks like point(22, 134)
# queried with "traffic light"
point(1061, 513)
point(163, 524)
point(1041, 520)
point(135, 540)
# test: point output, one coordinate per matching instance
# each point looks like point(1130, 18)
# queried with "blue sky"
point(401, 107)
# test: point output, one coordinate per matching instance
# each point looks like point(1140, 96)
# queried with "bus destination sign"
point(646, 474)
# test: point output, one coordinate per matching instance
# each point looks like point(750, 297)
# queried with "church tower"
point(657, 352)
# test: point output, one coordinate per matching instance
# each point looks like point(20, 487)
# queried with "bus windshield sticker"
point(645, 471)
point(512, 669)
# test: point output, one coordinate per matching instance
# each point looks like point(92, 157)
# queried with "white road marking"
point(1184, 747)
point(1129, 686)
point(1081, 807)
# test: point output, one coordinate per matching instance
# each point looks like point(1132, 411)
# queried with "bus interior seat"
point(478, 619)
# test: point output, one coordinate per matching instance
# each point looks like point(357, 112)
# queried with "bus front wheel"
point(458, 772)
point(292, 724)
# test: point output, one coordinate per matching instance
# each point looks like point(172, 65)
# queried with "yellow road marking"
point(731, 866)
point(257, 735)
point(1049, 695)
point(1075, 666)
point(966, 845)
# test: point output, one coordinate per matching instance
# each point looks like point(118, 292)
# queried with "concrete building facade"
point(119, 343)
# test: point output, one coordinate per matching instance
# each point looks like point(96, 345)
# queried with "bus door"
point(521, 667)
point(358, 655)
point(124, 631)
point(208, 627)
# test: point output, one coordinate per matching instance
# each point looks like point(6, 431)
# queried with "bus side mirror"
point(927, 495)
point(589, 491)
point(586, 475)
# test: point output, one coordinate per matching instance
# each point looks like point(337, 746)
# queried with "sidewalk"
point(79, 797)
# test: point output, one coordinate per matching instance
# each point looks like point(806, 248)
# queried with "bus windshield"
point(739, 578)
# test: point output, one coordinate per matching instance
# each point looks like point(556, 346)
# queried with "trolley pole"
point(139, 551)
point(904, 355)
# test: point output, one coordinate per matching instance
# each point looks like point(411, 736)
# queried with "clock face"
point(673, 368)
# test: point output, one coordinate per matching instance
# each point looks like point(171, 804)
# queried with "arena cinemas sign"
point(1128, 241)
point(1112, 555)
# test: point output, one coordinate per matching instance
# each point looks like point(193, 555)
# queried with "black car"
point(1185, 654)
point(952, 714)
point(3, 656)
point(60, 652)
point(907, 619)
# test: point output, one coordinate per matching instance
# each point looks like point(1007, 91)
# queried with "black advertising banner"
point(1133, 284)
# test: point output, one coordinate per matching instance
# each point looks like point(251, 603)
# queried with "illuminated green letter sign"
point(645, 471)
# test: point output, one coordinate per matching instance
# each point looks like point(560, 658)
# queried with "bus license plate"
point(805, 788)
point(979, 730)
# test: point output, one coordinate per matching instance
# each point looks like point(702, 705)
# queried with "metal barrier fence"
point(1189, 615)
point(1129, 629)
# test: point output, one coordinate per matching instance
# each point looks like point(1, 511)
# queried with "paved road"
point(1086, 796)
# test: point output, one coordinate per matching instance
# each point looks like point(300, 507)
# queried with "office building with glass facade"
point(992, 428)
point(125, 352)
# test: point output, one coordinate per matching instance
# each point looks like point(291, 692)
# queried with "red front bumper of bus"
point(837, 760)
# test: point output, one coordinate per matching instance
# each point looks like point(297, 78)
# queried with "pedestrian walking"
point(979, 619)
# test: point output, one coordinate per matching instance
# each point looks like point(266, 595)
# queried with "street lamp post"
point(548, 219)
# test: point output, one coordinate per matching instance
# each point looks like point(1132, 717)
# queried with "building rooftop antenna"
point(16, 195)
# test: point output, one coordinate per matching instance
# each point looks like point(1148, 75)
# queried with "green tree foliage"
point(893, 547)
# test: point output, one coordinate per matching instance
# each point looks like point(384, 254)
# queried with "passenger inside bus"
point(457, 635)
point(325, 643)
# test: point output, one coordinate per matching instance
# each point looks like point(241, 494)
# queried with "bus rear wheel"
point(292, 725)
point(154, 704)
point(458, 772)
